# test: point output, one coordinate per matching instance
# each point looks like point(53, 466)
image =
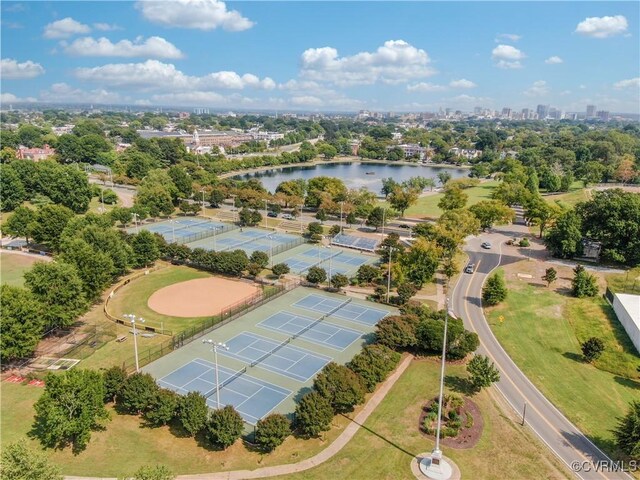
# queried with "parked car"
point(288, 216)
point(272, 214)
point(470, 268)
point(404, 225)
point(486, 245)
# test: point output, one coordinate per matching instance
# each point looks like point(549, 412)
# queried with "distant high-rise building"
point(542, 111)
point(525, 113)
point(554, 113)
point(591, 111)
point(201, 111)
point(448, 111)
point(506, 112)
point(603, 115)
point(477, 110)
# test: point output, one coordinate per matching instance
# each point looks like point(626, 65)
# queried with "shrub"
point(373, 364)
point(272, 430)
point(163, 407)
point(342, 387)
point(224, 427)
point(316, 275)
point(339, 281)
point(280, 269)
point(592, 349)
point(627, 433)
point(313, 414)
point(260, 258)
point(495, 290)
point(583, 283)
point(483, 372)
point(138, 393)
point(114, 380)
point(524, 242)
point(192, 412)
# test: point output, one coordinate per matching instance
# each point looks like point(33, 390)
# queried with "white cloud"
point(582, 87)
point(307, 101)
point(508, 36)
point(394, 62)
point(198, 14)
point(468, 100)
point(425, 87)
point(143, 102)
point(629, 83)
point(155, 75)
point(602, 27)
point(10, 69)
point(507, 56)
point(105, 27)
point(154, 47)
point(553, 60)
point(65, 28)
point(538, 89)
point(62, 93)
point(462, 83)
point(11, 98)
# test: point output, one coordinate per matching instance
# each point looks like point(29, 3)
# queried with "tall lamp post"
point(133, 319)
point(215, 229)
point(270, 237)
point(135, 220)
point(329, 278)
point(341, 204)
point(389, 274)
point(214, 347)
point(265, 213)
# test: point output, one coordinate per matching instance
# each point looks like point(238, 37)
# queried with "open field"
point(628, 282)
point(542, 331)
point(577, 193)
point(382, 449)
point(427, 206)
point(13, 266)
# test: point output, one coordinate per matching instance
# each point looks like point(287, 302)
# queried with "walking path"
point(314, 461)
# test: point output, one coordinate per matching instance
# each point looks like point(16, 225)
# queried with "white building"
point(467, 153)
point(627, 308)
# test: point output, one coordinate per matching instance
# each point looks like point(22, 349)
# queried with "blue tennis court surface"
point(323, 333)
point(251, 397)
point(355, 313)
point(294, 362)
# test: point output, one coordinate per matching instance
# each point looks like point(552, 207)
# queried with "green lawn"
point(577, 193)
point(13, 266)
point(134, 297)
point(628, 282)
point(382, 449)
point(542, 330)
point(427, 207)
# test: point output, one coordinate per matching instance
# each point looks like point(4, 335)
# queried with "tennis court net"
point(222, 384)
point(316, 322)
point(262, 358)
point(240, 244)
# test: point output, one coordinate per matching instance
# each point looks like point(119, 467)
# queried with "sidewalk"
point(317, 459)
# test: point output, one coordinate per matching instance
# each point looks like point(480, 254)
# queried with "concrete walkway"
point(314, 461)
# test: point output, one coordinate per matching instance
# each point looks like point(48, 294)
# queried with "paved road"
point(553, 428)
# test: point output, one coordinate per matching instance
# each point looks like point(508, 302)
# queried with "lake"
point(353, 174)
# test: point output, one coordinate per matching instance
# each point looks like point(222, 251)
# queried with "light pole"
point(215, 346)
point(202, 191)
point(341, 203)
point(265, 213)
point(330, 258)
point(384, 213)
point(300, 218)
point(389, 273)
point(133, 319)
point(215, 229)
point(270, 237)
point(135, 220)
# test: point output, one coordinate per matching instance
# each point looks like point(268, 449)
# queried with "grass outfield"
point(542, 331)
point(13, 266)
point(133, 298)
point(427, 207)
point(382, 449)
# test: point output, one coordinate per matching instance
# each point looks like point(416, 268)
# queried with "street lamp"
point(270, 237)
point(135, 220)
point(265, 213)
point(215, 346)
point(133, 319)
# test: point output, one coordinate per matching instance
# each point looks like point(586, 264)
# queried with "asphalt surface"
point(564, 439)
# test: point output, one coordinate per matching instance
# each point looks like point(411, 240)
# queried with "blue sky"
point(336, 56)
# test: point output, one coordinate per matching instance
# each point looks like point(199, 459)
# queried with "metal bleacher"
point(357, 243)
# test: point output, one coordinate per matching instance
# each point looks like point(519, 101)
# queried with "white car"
point(288, 216)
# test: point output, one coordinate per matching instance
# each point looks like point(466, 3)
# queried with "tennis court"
point(352, 312)
point(185, 229)
point(294, 362)
point(251, 397)
point(322, 333)
point(249, 240)
point(334, 259)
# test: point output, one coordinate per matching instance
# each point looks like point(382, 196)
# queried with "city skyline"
point(328, 56)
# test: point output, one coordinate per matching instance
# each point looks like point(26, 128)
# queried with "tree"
point(483, 372)
point(377, 218)
point(192, 412)
point(550, 276)
point(342, 387)
point(224, 427)
point(163, 407)
point(314, 228)
point(156, 472)
point(145, 249)
point(313, 414)
point(627, 432)
point(430, 335)
point(19, 462)
point(71, 406)
point(367, 274)
point(20, 223)
point(321, 215)
point(59, 288)
point(453, 199)
point(121, 214)
point(420, 262)
point(406, 291)
point(402, 198)
point(491, 212)
point(339, 281)
point(254, 269)
point(272, 430)
point(316, 275)
point(583, 283)
point(280, 269)
point(249, 218)
point(495, 290)
point(21, 323)
point(49, 223)
point(564, 239)
point(397, 332)
point(12, 188)
point(182, 181)
point(444, 177)
point(592, 348)
point(109, 197)
point(542, 213)
point(351, 219)
point(154, 199)
point(373, 364)
point(138, 393)
point(259, 258)
point(114, 379)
